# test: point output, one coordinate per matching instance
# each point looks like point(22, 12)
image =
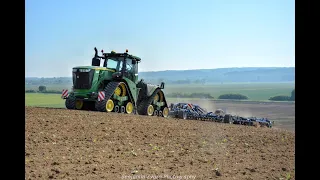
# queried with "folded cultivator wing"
point(195, 112)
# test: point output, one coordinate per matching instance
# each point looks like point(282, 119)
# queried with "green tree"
point(42, 88)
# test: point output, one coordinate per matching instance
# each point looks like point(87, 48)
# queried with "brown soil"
point(66, 144)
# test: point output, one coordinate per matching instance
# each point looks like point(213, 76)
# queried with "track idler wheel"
point(129, 108)
point(160, 113)
point(150, 110)
point(109, 105)
point(165, 112)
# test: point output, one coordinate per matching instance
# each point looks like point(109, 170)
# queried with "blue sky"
point(166, 34)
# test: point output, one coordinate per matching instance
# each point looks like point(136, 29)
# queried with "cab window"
point(129, 65)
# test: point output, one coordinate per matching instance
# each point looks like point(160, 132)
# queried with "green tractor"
point(114, 87)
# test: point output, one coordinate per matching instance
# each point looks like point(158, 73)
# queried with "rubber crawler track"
point(108, 91)
point(70, 103)
point(143, 106)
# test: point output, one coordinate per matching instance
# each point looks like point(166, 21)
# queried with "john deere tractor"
point(114, 87)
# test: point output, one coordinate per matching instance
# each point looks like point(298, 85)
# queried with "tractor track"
point(71, 144)
point(109, 90)
point(142, 107)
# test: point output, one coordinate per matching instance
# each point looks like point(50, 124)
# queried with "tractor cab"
point(123, 64)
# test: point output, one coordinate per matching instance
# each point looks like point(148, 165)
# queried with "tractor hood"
point(87, 77)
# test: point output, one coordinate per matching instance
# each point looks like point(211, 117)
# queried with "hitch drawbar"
point(65, 94)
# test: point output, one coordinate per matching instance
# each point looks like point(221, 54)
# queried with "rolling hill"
point(221, 75)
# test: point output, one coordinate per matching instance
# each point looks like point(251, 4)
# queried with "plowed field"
point(66, 144)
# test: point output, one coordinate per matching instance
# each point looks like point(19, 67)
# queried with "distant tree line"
point(284, 98)
point(43, 89)
point(233, 96)
point(46, 81)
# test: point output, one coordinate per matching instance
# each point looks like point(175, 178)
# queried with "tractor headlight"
point(84, 70)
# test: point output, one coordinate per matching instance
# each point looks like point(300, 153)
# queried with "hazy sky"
point(166, 34)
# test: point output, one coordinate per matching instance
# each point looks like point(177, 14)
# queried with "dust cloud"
point(206, 104)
